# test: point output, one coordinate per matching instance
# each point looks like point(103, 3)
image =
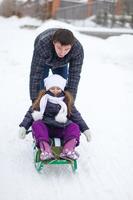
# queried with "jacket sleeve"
point(77, 118)
point(37, 68)
point(75, 67)
point(28, 120)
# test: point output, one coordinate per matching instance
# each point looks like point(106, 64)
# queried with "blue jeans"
point(62, 71)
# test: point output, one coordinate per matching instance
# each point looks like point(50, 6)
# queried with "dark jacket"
point(44, 54)
point(49, 118)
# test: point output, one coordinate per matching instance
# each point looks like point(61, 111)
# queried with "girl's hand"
point(22, 132)
point(87, 134)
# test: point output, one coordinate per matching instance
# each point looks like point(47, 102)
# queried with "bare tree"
point(8, 7)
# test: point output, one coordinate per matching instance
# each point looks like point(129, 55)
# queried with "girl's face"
point(62, 50)
point(55, 90)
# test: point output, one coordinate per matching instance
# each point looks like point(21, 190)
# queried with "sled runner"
point(56, 150)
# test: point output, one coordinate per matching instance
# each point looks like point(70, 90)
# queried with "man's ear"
point(54, 42)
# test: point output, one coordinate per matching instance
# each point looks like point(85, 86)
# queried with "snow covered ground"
point(105, 166)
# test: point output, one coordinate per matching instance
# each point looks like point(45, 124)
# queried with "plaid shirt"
point(44, 54)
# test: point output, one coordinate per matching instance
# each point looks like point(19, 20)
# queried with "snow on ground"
point(105, 166)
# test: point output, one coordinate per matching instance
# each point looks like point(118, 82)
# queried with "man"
point(60, 51)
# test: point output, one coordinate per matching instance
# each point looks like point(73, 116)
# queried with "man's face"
point(62, 50)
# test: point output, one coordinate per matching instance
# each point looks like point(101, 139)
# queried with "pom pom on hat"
point(55, 80)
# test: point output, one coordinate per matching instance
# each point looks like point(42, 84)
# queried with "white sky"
point(105, 99)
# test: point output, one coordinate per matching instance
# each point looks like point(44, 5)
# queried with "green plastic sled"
point(56, 149)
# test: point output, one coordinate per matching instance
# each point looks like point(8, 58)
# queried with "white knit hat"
point(55, 80)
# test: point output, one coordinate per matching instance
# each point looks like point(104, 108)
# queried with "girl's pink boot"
point(46, 153)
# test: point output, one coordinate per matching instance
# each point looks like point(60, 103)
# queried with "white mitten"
point(37, 115)
point(22, 132)
point(87, 134)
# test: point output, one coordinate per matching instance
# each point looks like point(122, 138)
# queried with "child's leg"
point(44, 146)
point(40, 133)
point(70, 145)
point(46, 152)
point(72, 131)
point(71, 140)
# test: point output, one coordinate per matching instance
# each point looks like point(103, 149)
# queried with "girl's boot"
point(69, 150)
point(46, 153)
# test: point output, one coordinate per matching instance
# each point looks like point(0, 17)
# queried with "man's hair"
point(64, 36)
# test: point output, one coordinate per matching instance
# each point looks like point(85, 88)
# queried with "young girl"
point(54, 115)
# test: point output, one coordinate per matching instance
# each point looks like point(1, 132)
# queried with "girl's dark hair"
point(68, 100)
point(64, 36)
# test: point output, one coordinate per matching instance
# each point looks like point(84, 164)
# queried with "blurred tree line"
point(34, 8)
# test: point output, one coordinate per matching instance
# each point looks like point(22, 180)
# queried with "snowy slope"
point(105, 166)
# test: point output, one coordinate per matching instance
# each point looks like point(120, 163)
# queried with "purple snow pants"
point(42, 132)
